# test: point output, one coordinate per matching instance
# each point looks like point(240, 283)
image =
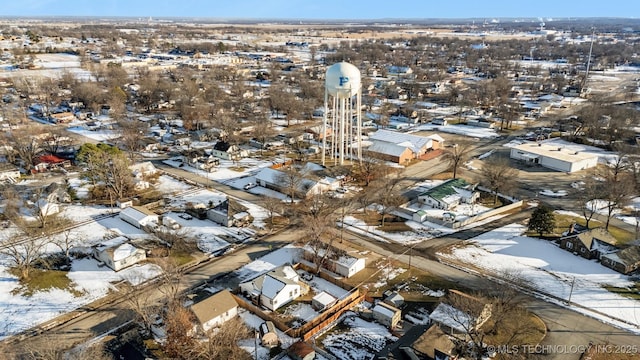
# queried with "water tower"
point(343, 93)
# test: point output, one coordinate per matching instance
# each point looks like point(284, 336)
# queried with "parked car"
point(342, 190)
point(250, 186)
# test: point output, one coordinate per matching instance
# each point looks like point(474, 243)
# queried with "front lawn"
point(43, 280)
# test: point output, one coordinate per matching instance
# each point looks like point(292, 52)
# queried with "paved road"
point(116, 312)
point(566, 329)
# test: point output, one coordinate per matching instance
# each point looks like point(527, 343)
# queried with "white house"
point(449, 194)
point(273, 289)
point(226, 151)
point(138, 216)
point(118, 253)
point(554, 157)
point(344, 265)
point(215, 310)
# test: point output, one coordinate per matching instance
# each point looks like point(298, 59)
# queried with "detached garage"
point(554, 157)
point(138, 216)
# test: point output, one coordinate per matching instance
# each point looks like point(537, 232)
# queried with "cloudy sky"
point(324, 9)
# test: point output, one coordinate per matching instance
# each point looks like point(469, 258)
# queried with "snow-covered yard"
point(548, 268)
point(89, 283)
point(361, 339)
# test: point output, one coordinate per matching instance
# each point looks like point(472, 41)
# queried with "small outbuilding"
point(394, 299)
point(323, 301)
point(386, 314)
point(301, 351)
point(138, 216)
point(268, 334)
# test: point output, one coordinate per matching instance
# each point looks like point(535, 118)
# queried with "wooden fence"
point(312, 327)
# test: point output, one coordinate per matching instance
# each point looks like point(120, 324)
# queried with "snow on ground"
point(286, 255)
point(206, 230)
point(223, 172)
point(542, 264)
point(361, 341)
point(319, 285)
point(471, 131)
point(387, 273)
point(169, 185)
point(302, 312)
point(253, 322)
point(551, 193)
point(90, 283)
point(208, 235)
point(80, 186)
point(98, 135)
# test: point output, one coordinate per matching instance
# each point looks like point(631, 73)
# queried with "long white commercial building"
point(554, 157)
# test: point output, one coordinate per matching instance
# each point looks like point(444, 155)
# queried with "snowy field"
point(542, 264)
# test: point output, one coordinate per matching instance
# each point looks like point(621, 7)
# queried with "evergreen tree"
point(542, 220)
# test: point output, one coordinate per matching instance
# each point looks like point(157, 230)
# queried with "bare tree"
point(56, 139)
point(586, 197)
point(370, 169)
point(292, 180)
point(25, 145)
point(273, 206)
point(456, 155)
point(66, 240)
point(23, 252)
point(170, 280)
point(131, 133)
point(483, 316)
point(389, 196)
point(223, 343)
point(178, 324)
point(263, 131)
point(498, 176)
point(142, 303)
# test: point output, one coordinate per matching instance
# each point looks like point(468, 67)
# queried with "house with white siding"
point(273, 289)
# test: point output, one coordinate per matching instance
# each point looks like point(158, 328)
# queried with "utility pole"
point(573, 282)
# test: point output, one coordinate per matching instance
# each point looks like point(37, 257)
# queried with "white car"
point(250, 186)
point(342, 190)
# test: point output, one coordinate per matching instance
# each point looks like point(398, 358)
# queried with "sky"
point(325, 9)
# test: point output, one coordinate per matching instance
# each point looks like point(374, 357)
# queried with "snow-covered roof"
point(112, 243)
point(383, 147)
point(417, 142)
point(324, 298)
point(124, 251)
point(275, 177)
point(451, 317)
point(385, 309)
point(271, 286)
point(137, 213)
point(347, 261)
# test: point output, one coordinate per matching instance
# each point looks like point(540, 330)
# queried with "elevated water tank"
point(342, 80)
